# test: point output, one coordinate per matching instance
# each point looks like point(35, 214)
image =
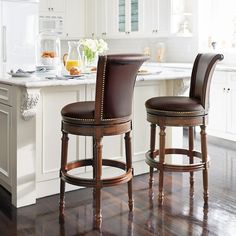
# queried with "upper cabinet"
point(156, 18)
point(126, 18)
point(52, 5)
point(129, 16)
point(97, 20)
point(64, 17)
point(120, 18)
point(74, 20)
point(182, 17)
point(114, 18)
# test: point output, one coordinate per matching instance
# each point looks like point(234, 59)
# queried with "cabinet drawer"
point(6, 94)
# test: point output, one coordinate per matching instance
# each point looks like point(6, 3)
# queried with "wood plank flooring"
point(180, 214)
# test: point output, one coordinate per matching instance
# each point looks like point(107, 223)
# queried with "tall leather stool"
point(109, 114)
point(188, 111)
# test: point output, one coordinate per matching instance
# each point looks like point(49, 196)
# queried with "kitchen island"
point(30, 129)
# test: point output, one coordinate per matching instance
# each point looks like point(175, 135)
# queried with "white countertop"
point(220, 66)
point(154, 72)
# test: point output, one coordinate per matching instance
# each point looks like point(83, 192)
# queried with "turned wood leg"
point(152, 150)
point(64, 151)
point(128, 154)
point(162, 159)
point(98, 174)
point(204, 160)
point(191, 147)
point(94, 159)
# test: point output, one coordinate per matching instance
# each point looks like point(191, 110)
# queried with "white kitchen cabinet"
point(102, 17)
point(96, 19)
point(156, 18)
point(52, 6)
point(141, 128)
point(90, 18)
point(222, 114)
point(5, 145)
point(116, 18)
point(231, 90)
point(127, 19)
point(6, 136)
point(182, 17)
point(49, 143)
point(74, 20)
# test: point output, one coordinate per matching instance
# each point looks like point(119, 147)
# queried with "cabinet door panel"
point(58, 5)
point(231, 101)
point(218, 101)
point(151, 16)
point(141, 128)
point(43, 5)
point(5, 136)
point(101, 18)
point(75, 18)
point(49, 158)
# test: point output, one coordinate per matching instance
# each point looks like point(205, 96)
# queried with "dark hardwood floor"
point(180, 214)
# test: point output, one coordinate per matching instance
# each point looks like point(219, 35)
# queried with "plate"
point(72, 76)
point(144, 72)
point(20, 74)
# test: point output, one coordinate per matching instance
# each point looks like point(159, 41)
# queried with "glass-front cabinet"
point(129, 16)
point(126, 18)
point(182, 17)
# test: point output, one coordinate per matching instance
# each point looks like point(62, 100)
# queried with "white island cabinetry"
point(30, 122)
point(5, 136)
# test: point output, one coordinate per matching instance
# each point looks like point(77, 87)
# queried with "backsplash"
point(177, 49)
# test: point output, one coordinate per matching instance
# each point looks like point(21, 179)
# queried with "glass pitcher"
point(73, 59)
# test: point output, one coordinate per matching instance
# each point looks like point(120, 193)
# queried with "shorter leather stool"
point(188, 112)
point(109, 114)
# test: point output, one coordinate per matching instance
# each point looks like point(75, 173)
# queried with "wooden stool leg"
point(204, 160)
point(191, 146)
point(94, 164)
point(128, 154)
point(162, 159)
point(64, 151)
point(98, 174)
point(152, 149)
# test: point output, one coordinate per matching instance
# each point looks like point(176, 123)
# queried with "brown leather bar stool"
point(182, 111)
point(109, 114)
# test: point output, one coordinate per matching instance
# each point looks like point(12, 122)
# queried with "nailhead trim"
point(178, 112)
point(103, 86)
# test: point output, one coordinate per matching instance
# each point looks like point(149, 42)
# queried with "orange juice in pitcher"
point(73, 59)
point(72, 63)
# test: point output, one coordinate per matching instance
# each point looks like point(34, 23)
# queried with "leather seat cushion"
point(79, 110)
point(175, 106)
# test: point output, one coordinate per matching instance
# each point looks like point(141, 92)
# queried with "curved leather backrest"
point(203, 69)
point(116, 77)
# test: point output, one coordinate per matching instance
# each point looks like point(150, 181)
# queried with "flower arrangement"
point(92, 47)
